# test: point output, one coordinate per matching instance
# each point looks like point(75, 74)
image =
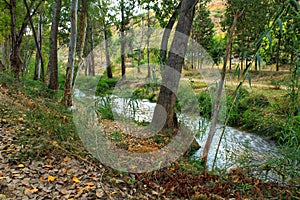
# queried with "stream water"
point(237, 148)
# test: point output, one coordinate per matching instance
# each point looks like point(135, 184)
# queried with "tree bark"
point(148, 45)
point(82, 27)
point(52, 71)
point(15, 58)
point(37, 70)
point(171, 76)
point(166, 36)
point(67, 100)
point(123, 66)
point(278, 51)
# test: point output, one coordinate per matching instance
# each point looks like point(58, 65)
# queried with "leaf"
point(76, 180)
point(270, 42)
point(34, 190)
point(63, 191)
point(21, 166)
point(66, 159)
point(249, 78)
point(27, 191)
point(51, 178)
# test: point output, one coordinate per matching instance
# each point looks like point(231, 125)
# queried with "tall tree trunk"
point(52, 71)
point(37, 69)
point(230, 58)
point(171, 76)
point(15, 58)
point(166, 36)
point(123, 67)
point(148, 45)
point(106, 42)
point(107, 55)
point(38, 44)
point(92, 58)
point(140, 47)
point(278, 51)
point(67, 100)
point(8, 51)
point(82, 27)
point(215, 116)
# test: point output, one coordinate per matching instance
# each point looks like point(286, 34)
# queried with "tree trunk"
point(15, 58)
point(213, 124)
point(230, 59)
point(107, 55)
point(166, 36)
point(37, 69)
point(123, 67)
point(92, 58)
point(82, 27)
point(148, 45)
point(140, 47)
point(38, 44)
point(278, 51)
point(171, 76)
point(52, 71)
point(67, 100)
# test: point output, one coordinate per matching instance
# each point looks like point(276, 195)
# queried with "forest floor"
point(41, 157)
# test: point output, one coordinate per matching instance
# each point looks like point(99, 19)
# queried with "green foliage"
point(104, 109)
point(105, 86)
point(205, 104)
point(117, 136)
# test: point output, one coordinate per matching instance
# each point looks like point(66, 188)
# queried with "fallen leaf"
point(64, 170)
point(21, 166)
point(66, 159)
point(34, 190)
point(27, 191)
point(63, 191)
point(51, 178)
point(75, 179)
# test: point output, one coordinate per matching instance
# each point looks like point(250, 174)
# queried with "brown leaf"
point(63, 191)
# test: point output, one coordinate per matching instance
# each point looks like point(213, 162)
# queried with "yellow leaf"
point(21, 166)
point(51, 178)
point(54, 143)
point(34, 190)
point(76, 180)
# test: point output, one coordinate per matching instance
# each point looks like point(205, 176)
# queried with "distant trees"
point(251, 25)
point(18, 25)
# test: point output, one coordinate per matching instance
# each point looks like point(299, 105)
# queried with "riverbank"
point(43, 157)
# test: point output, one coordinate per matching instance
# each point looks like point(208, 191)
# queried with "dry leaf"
point(34, 190)
point(66, 159)
point(63, 191)
point(51, 178)
point(27, 191)
point(76, 180)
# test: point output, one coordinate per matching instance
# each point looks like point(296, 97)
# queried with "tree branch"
point(26, 19)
